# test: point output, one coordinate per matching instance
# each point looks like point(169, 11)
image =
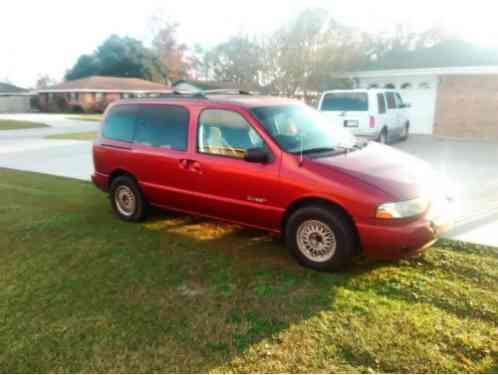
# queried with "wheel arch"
point(117, 173)
point(323, 202)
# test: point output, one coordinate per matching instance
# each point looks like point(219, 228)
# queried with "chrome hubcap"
point(125, 200)
point(316, 241)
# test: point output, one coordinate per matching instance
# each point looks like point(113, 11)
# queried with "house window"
point(99, 96)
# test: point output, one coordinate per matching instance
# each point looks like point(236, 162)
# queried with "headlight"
point(399, 210)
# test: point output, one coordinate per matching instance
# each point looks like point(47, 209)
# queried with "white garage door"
point(423, 104)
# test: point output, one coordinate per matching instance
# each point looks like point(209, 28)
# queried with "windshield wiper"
point(317, 150)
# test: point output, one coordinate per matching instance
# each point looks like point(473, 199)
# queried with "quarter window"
point(391, 102)
point(399, 101)
point(381, 102)
point(120, 123)
point(226, 133)
point(163, 126)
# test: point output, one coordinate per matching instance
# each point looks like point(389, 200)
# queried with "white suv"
point(375, 114)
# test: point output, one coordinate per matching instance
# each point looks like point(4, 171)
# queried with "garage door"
point(423, 103)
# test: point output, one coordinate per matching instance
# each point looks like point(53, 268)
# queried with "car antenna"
point(301, 150)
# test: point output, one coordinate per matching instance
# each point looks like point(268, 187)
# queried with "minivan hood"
point(397, 173)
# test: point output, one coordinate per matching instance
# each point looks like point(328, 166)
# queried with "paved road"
point(471, 166)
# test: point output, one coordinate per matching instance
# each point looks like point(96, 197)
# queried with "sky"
point(46, 37)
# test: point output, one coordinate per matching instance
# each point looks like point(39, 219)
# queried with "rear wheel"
point(321, 238)
point(383, 136)
point(127, 199)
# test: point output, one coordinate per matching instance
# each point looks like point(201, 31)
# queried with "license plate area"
point(351, 123)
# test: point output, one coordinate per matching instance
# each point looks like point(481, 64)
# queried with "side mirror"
point(257, 155)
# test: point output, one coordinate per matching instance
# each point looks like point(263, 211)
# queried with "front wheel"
point(404, 132)
point(321, 238)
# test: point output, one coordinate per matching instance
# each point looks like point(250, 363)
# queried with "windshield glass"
point(298, 128)
point(345, 101)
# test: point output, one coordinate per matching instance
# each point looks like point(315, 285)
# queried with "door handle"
point(195, 167)
point(184, 163)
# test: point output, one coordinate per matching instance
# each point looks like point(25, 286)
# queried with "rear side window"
point(391, 102)
point(381, 102)
point(163, 126)
point(120, 123)
point(345, 101)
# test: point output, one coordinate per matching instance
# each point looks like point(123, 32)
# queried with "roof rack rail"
point(226, 92)
point(176, 94)
point(202, 94)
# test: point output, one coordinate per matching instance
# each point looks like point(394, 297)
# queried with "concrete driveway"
point(28, 150)
point(472, 167)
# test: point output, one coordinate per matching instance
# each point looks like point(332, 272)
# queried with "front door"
point(228, 186)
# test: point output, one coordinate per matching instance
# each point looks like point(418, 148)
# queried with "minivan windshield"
point(298, 128)
point(345, 101)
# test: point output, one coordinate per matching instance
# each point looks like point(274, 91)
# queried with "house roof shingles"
point(101, 83)
point(7, 88)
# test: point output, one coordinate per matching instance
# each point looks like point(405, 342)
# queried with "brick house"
point(452, 102)
point(92, 94)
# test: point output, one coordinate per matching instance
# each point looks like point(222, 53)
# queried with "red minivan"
point(269, 163)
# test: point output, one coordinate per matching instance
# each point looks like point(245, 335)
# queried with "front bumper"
point(391, 239)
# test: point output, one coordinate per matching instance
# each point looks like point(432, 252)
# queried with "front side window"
point(298, 129)
point(399, 101)
point(119, 124)
point(391, 102)
point(163, 126)
point(345, 101)
point(225, 133)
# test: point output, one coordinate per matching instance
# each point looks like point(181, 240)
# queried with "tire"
point(404, 135)
point(316, 221)
point(383, 137)
point(125, 189)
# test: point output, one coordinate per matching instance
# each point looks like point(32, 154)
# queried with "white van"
point(375, 114)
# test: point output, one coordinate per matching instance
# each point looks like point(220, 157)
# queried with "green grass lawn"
point(81, 291)
point(86, 117)
point(14, 125)
point(83, 136)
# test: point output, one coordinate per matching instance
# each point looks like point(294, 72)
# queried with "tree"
point(237, 60)
point(44, 81)
point(116, 56)
point(171, 54)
